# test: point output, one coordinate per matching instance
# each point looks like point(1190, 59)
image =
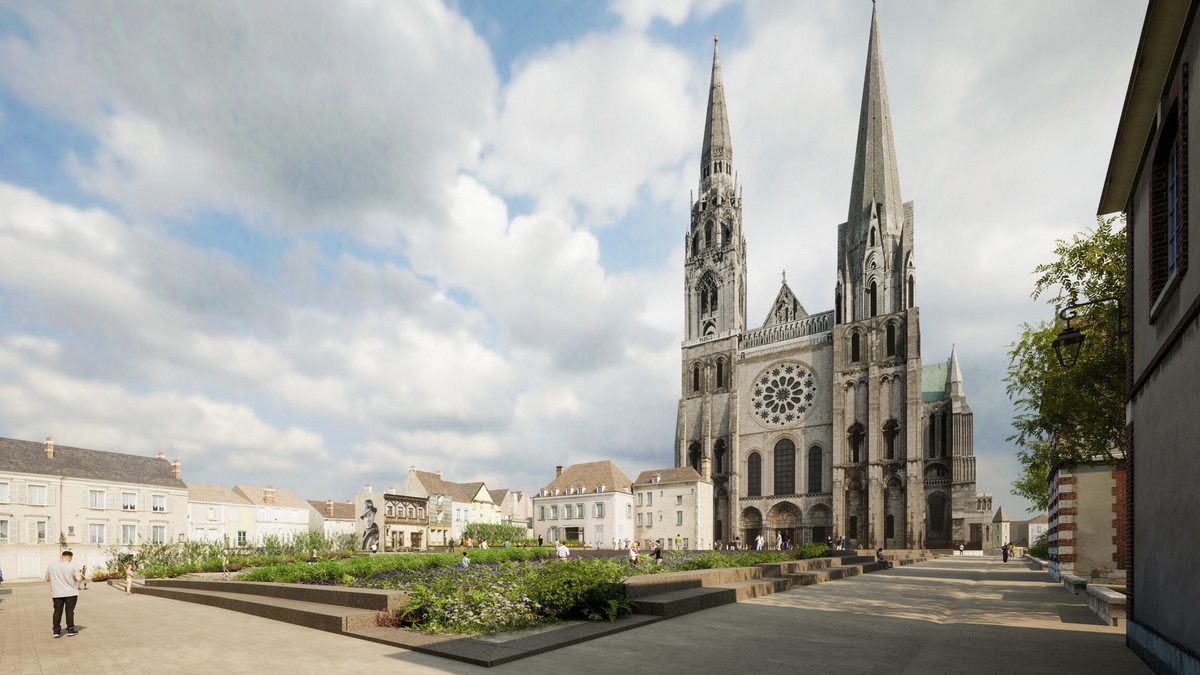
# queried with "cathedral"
point(827, 424)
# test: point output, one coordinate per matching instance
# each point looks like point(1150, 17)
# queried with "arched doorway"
point(783, 520)
point(751, 525)
point(820, 519)
point(937, 521)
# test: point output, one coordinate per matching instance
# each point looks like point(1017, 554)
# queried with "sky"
point(311, 244)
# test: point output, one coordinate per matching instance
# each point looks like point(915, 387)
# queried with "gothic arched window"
point(726, 233)
point(854, 350)
point(720, 456)
point(695, 378)
point(785, 467)
point(872, 242)
point(754, 475)
point(853, 534)
point(720, 373)
point(814, 469)
point(696, 244)
point(890, 431)
point(891, 339)
point(694, 456)
point(857, 440)
point(911, 298)
point(708, 234)
point(872, 298)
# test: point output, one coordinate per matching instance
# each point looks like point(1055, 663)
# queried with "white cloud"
point(311, 113)
point(638, 14)
point(590, 123)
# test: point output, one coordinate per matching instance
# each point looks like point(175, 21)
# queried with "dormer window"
point(654, 479)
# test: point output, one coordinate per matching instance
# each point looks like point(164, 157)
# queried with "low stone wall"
point(1077, 585)
point(1107, 604)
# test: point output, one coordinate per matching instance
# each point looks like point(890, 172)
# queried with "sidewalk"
point(953, 615)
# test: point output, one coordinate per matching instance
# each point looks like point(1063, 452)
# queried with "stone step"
point(317, 615)
point(359, 598)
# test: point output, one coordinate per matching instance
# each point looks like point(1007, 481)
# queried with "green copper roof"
point(933, 382)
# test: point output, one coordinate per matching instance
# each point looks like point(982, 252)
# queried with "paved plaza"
point(952, 615)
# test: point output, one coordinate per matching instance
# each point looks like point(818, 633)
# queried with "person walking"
point(658, 558)
point(64, 577)
point(224, 564)
point(129, 578)
point(562, 551)
point(829, 542)
point(83, 573)
point(1004, 552)
point(634, 557)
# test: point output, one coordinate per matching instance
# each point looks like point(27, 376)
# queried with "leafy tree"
point(1076, 415)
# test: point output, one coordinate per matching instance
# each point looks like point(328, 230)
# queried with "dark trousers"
point(67, 603)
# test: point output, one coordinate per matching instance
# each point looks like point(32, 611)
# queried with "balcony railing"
point(810, 325)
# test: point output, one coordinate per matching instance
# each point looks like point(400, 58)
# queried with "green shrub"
point(1040, 548)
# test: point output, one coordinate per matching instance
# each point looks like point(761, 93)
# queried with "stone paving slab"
point(952, 615)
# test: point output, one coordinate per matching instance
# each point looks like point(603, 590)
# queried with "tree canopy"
point(1075, 415)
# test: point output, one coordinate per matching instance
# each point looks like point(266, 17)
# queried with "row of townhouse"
point(59, 497)
point(93, 502)
point(596, 504)
point(428, 510)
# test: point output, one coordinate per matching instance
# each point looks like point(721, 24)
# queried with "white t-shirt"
point(62, 579)
point(562, 551)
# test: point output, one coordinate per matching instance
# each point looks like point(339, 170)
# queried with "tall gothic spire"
point(876, 178)
point(716, 159)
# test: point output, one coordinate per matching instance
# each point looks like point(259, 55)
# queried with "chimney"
point(706, 468)
point(367, 489)
point(439, 473)
point(391, 489)
point(49, 448)
point(175, 469)
point(558, 470)
point(269, 495)
point(329, 508)
point(160, 455)
point(412, 468)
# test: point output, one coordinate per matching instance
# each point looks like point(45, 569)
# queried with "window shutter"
point(141, 501)
point(50, 495)
point(112, 500)
point(32, 531)
point(167, 499)
point(85, 499)
point(143, 534)
point(22, 496)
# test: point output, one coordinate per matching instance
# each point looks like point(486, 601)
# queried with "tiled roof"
point(591, 475)
point(498, 496)
point(472, 489)
point(115, 467)
point(434, 485)
point(681, 474)
point(282, 497)
point(341, 510)
point(1001, 516)
point(933, 382)
point(214, 494)
point(1042, 518)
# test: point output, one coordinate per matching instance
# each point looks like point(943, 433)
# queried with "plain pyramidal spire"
point(716, 158)
point(876, 178)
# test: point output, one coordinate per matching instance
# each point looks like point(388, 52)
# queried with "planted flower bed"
point(502, 589)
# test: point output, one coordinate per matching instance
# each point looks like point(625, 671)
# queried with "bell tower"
point(715, 267)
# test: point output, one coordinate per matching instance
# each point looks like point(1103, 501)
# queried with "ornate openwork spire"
point(876, 178)
point(716, 158)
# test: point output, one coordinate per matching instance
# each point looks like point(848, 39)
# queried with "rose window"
point(782, 394)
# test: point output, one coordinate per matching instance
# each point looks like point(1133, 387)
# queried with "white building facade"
point(674, 508)
point(589, 503)
point(54, 498)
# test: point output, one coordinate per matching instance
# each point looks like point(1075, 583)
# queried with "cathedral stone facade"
point(826, 424)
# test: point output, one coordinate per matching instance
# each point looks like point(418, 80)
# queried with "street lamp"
point(1070, 341)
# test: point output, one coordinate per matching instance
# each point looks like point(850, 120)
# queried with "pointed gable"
point(785, 308)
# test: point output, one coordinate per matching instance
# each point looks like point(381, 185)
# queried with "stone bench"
point(1107, 604)
point(1038, 563)
point(1077, 585)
